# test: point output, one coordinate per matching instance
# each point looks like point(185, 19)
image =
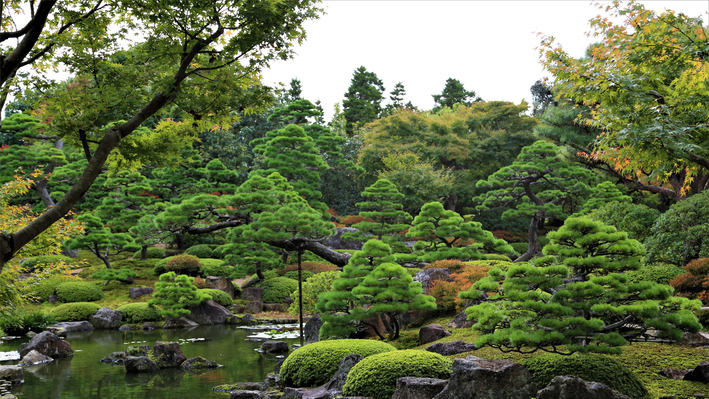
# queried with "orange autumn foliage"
point(446, 292)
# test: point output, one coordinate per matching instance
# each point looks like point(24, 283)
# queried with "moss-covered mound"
point(278, 289)
point(589, 367)
point(78, 291)
point(133, 313)
point(375, 377)
point(314, 364)
point(78, 311)
point(218, 296)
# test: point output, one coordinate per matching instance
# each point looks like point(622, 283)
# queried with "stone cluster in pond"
point(163, 355)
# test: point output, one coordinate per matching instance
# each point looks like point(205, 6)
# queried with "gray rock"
point(238, 386)
point(245, 320)
point(571, 387)
point(338, 380)
point(198, 363)
point(138, 292)
point(700, 373)
point(418, 388)
point(140, 364)
point(47, 344)
point(12, 374)
point(451, 348)
point(71, 326)
point(311, 330)
point(277, 366)
point(432, 332)
point(674, 374)
point(115, 357)
point(293, 393)
point(168, 354)
point(695, 339)
point(275, 347)
point(247, 395)
point(34, 357)
point(179, 322)
point(30, 334)
point(220, 283)
point(460, 321)
point(335, 241)
point(252, 294)
point(106, 318)
point(475, 378)
point(273, 307)
point(209, 313)
point(427, 276)
point(254, 307)
point(52, 299)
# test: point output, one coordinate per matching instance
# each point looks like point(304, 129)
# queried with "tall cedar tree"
point(362, 103)
point(454, 93)
point(578, 297)
point(538, 182)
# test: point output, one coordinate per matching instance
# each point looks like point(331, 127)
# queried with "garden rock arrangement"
point(47, 344)
point(106, 318)
point(163, 355)
point(451, 348)
point(431, 333)
point(5, 390)
point(570, 387)
point(34, 357)
point(12, 374)
point(418, 388)
point(274, 347)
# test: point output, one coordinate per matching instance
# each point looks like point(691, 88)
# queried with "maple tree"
point(645, 86)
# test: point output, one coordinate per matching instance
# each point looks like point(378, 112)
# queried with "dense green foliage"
point(588, 367)
point(173, 293)
point(25, 322)
point(661, 273)
point(47, 287)
point(314, 364)
point(30, 265)
point(77, 311)
point(152, 252)
point(215, 267)
point(375, 376)
point(133, 313)
point(218, 296)
point(278, 289)
point(123, 275)
point(183, 264)
point(200, 251)
point(635, 219)
point(313, 287)
point(78, 291)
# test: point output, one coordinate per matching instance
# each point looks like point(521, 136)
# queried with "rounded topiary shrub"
point(293, 275)
point(78, 311)
point(47, 287)
point(278, 289)
point(200, 251)
point(375, 377)
point(183, 264)
point(218, 296)
point(78, 291)
point(589, 367)
point(153, 253)
point(222, 251)
point(159, 267)
point(215, 267)
point(315, 364)
point(140, 312)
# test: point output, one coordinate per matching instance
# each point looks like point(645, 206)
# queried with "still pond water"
point(83, 376)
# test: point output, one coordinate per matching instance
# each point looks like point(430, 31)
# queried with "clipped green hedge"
point(215, 267)
point(315, 364)
point(660, 273)
point(77, 311)
point(153, 253)
point(47, 287)
point(200, 251)
point(218, 296)
point(293, 275)
point(159, 267)
point(589, 367)
point(278, 289)
point(78, 291)
point(375, 376)
point(140, 312)
point(501, 257)
point(183, 264)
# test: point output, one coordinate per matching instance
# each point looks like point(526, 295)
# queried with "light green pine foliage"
point(604, 193)
point(173, 293)
point(383, 206)
point(313, 287)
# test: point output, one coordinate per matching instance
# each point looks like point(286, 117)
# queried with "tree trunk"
point(41, 188)
point(385, 320)
point(450, 202)
point(395, 319)
point(373, 328)
point(533, 249)
point(144, 252)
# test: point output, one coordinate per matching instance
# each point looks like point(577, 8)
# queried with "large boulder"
point(451, 348)
point(571, 387)
point(61, 329)
point(220, 283)
point(198, 362)
point(338, 380)
point(695, 339)
point(311, 331)
point(179, 322)
point(427, 276)
point(275, 347)
point(335, 241)
point(106, 318)
point(47, 344)
point(13, 374)
point(168, 354)
point(418, 388)
point(460, 321)
point(674, 373)
point(138, 292)
point(247, 395)
point(252, 294)
point(700, 373)
point(254, 307)
point(432, 332)
point(475, 378)
point(209, 313)
point(34, 357)
point(140, 364)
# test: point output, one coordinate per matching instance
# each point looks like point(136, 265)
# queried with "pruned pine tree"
point(100, 240)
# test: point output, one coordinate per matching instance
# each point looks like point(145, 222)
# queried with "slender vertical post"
point(300, 296)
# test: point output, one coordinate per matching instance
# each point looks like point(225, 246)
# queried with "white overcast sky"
point(488, 45)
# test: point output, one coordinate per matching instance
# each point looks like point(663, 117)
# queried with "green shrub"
point(215, 267)
point(520, 247)
point(278, 289)
point(77, 311)
point(634, 219)
point(314, 364)
point(269, 274)
point(413, 271)
point(200, 251)
point(312, 288)
point(502, 264)
point(218, 296)
point(660, 273)
point(294, 275)
point(159, 267)
point(78, 291)
point(589, 367)
point(30, 265)
point(153, 253)
point(222, 251)
point(87, 272)
point(501, 257)
point(183, 264)
point(122, 275)
point(47, 287)
point(375, 376)
point(140, 312)
point(25, 322)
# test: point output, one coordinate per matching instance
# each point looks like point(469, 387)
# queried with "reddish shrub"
point(350, 220)
point(695, 283)
point(309, 266)
point(451, 264)
point(446, 292)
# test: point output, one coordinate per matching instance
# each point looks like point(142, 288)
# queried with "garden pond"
point(83, 376)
